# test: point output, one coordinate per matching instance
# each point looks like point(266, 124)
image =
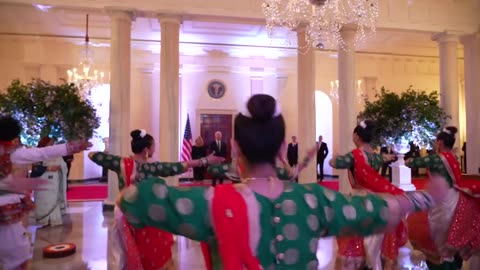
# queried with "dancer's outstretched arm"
point(423, 162)
point(342, 161)
point(185, 211)
point(32, 155)
point(162, 169)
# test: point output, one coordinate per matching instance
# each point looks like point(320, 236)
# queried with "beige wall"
point(22, 58)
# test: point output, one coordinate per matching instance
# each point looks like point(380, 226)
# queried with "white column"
point(471, 45)
point(346, 100)
point(119, 130)
point(306, 104)
point(169, 87)
point(449, 98)
point(142, 102)
point(49, 73)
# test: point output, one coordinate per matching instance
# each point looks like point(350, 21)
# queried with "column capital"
point(118, 13)
point(446, 36)
point(175, 18)
point(465, 39)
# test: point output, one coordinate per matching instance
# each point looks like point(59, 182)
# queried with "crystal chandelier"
point(82, 77)
point(323, 18)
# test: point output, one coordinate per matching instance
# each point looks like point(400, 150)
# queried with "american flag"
point(187, 142)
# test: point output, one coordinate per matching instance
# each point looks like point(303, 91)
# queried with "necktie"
point(218, 143)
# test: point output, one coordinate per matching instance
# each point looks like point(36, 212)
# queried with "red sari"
point(147, 248)
point(229, 216)
point(463, 236)
point(365, 177)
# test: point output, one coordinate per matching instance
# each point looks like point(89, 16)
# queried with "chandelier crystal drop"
point(323, 19)
point(84, 77)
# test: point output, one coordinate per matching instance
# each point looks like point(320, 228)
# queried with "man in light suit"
point(322, 154)
point(220, 148)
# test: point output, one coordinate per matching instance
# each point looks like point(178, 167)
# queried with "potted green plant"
point(44, 109)
point(412, 116)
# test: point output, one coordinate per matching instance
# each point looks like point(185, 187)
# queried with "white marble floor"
point(90, 229)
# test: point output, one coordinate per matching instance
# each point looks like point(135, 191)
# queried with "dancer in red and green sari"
point(447, 233)
point(363, 165)
point(148, 248)
point(263, 223)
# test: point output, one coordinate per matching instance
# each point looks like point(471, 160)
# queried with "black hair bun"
point(453, 130)
point(135, 134)
point(261, 107)
point(10, 128)
point(370, 124)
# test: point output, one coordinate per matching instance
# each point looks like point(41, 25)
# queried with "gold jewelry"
point(248, 179)
point(270, 180)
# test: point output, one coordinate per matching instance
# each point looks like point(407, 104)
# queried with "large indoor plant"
point(44, 109)
point(412, 116)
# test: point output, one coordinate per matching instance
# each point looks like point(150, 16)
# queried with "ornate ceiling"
point(232, 27)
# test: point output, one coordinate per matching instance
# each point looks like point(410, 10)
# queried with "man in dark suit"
point(321, 156)
point(220, 149)
point(292, 153)
point(413, 153)
point(386, 164)
point(68, 159)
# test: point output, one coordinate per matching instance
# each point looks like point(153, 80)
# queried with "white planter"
point(402, 147)
point(401, 174)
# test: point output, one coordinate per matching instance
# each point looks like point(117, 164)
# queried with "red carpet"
point(87, 193)
point(100, 192)
point(195, 184)
point(419, 183)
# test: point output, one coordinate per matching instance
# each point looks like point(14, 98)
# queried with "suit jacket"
point(199, 152)
point(219, 153)
point(292, 153)
point(385, 150)
point(413, 153)
point(322, 152)
point(68, 159)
